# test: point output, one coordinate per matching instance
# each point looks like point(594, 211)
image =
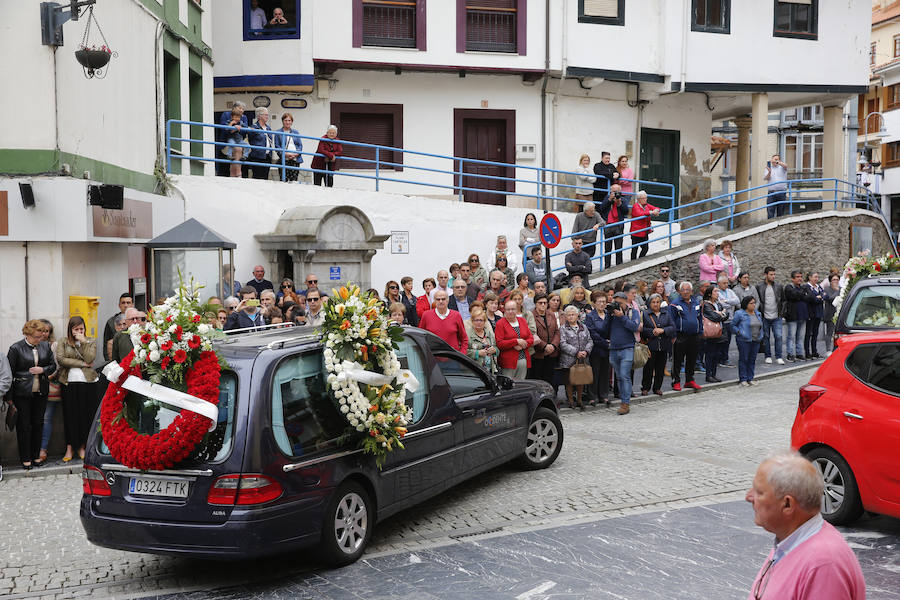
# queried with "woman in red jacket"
point(326, 157)
point(640, 227)
point(513, 338)
point(423, 304)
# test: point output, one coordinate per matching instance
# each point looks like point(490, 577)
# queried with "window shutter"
point(601, 8)
point(366, 128)
point(795, 1)
point(492, 4)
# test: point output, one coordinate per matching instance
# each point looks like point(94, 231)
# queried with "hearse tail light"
point(243, 490)
point(93, 483)
point(808, 394)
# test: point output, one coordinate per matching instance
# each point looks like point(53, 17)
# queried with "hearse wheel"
point(840, 502)
point(347, 525)
point(543, 442)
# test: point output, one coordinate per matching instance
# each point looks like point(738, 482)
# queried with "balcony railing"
point(491, 30)
point(390, 24)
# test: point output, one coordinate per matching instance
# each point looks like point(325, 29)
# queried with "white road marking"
point(536, 590)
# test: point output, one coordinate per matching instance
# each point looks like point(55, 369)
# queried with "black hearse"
point(278, 474)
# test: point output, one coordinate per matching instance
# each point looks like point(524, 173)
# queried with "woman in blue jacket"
point(747, 328)
point(657, 333)
point(291, 145)
point(597, 322)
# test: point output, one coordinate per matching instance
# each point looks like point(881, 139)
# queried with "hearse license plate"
point(165, 488)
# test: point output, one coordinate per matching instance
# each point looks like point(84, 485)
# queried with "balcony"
point(491, 30)
point(390, 24)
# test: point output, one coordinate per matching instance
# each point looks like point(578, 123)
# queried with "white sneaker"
point(780, 361)
point(769, 360)
point(754, 382)
point(827, 354)
point(744, 384)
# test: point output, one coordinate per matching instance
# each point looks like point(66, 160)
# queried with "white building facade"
point(548, 80)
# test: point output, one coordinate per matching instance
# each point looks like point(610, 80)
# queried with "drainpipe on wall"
point(544, 103)
point(27, 297)
point(685, 22)
point(562, 77)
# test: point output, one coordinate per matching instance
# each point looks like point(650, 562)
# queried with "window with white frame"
point(803, 154)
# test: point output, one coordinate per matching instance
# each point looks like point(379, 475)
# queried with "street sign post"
point(550, 231)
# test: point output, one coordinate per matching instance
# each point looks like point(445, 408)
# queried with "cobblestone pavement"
point(667, 453)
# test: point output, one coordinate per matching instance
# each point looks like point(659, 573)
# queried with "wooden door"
point(485, 135)
point(660, 162)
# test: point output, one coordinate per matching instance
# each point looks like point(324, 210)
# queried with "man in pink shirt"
point(445, 323)
point(810, 560)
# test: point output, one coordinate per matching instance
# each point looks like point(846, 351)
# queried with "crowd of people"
point(514, 324)
point(517, 325)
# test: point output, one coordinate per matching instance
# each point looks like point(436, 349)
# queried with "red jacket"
point(449, 329)
point(506, 341)
point(422, 305)
point(331, 149)
point(641, 223)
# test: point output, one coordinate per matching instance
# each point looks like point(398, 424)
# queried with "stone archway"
point(336, 243)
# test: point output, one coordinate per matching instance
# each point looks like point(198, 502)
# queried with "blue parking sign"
point(334, 273)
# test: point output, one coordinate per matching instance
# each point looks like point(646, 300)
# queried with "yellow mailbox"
point(86, 308)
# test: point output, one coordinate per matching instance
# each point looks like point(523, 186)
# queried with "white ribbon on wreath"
point(353, 371)
point(113, 371)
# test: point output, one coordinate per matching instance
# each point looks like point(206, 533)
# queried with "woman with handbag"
point(31, 362)
point(657, 333)
point(575, 345)
point(75, 354)
point(513, 339)
point(597, 322)
point(482, 345)
point(714, 315)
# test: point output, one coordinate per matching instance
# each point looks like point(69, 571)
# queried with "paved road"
point(667, 454)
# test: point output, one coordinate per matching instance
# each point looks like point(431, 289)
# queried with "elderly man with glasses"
point(445, 323)
point(810, 558)
point(315, 316)
point(122, 345)
point(312, 283)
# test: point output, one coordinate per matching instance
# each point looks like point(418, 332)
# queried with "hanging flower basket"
point(92, 59)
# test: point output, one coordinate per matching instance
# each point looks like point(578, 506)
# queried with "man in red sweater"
point(445, 323)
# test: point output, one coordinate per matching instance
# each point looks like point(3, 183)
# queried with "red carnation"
point(180, 356)
point(169, 319)
point(194, 342)
point(178, 332)
point(877, 267)
point(195, 318)
point(164, 363)
point(145, 339)
point(166, 346)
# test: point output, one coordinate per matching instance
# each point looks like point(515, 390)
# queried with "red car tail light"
point(93, 483)
point(808, 394)
point(243, 490)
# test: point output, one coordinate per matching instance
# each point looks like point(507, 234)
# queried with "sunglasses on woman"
point(286, 286)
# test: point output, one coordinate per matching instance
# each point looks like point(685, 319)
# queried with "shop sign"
point(135, 220)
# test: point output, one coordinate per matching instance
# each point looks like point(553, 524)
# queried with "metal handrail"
point(845, 193)
point(666, 190)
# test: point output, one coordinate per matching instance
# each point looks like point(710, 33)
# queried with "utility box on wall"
point(86, 308)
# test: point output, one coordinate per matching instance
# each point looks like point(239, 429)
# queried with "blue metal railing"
point(725, 209)
point(385, 158)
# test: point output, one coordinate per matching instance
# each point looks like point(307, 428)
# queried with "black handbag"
point(12, 415)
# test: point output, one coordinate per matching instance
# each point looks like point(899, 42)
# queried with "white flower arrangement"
point(364, 375)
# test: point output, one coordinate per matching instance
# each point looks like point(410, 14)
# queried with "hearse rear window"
point(150, 417)
point(304, 418)
point(875, 306)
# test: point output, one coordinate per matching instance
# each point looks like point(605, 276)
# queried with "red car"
point(848, 425)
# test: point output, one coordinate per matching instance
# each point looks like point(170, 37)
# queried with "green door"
point(659, 162)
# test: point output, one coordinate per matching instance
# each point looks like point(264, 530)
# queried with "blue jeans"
point(621, 361)
point(48, 423)
point(770, 325)
point(772, 207)
point(796, 330)
point(747, 352)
